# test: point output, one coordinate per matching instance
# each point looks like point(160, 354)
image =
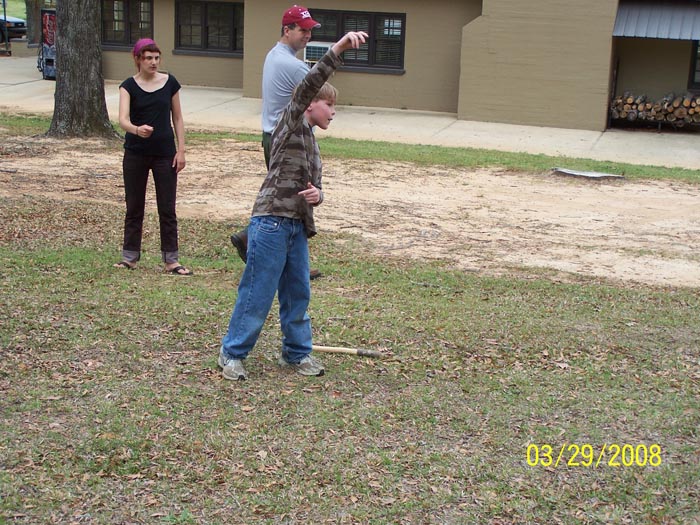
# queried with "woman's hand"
point(144, 131)
point(179, 161)
point(311, 194)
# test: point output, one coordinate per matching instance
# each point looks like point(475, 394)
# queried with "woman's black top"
point(152, 108)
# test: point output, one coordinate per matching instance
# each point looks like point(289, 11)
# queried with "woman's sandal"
point(180, 270)
point(125, 265)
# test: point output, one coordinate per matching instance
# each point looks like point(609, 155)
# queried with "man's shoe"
point(232, 368)
point(314, 274)
point(309, 366)
point(240, 242)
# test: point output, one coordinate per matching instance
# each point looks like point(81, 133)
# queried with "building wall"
point(652, 66)
point(433, 44)
point(430, 81)
point(540, 62)
point(537, 62)
point(188, 69)
point(433, 41)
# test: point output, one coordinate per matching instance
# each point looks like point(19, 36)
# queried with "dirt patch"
point(484, 220)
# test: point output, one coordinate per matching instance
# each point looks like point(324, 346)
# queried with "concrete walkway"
point(22, 89)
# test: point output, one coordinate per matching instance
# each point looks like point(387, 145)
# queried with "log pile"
point(677, 110)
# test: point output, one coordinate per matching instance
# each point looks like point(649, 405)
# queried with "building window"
point(694, 80)
point(209, 26)
point(125, 21)
point(387, 36)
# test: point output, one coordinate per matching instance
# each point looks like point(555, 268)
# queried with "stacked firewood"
point(678, 110)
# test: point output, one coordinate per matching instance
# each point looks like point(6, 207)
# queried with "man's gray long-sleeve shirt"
point(282, 72)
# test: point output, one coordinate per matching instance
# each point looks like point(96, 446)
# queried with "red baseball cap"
point(300, 16)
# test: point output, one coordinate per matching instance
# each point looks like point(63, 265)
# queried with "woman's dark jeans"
point(136, 168)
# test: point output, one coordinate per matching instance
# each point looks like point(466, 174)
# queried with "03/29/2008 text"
point(588, 455)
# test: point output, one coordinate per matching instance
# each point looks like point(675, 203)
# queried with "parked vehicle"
point(11, 27)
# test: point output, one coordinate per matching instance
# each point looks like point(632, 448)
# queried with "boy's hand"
point(351, 40)
point(311, 194)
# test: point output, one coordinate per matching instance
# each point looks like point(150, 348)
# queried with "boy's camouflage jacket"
point(294, 156)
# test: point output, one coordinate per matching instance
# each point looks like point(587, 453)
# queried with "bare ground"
point(487, 220)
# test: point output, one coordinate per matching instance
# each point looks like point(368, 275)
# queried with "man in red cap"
point(300, 16)
point(282, 72)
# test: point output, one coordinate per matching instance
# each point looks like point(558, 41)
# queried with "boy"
point(281, 223)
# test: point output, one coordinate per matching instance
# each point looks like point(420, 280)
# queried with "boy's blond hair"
point(327, 92)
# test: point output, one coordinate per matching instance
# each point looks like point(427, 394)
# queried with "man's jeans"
point(278, 261)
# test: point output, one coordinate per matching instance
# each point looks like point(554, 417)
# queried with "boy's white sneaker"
point(232, 369)
point(309, 366)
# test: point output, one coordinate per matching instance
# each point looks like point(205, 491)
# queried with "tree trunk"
point(79, 100)
point(33, 20)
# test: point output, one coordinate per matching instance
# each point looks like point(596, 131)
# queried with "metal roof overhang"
point(668, 19)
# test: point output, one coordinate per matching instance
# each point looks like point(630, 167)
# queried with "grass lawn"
point(16, 8)
point(28, 124)
point(113, 409)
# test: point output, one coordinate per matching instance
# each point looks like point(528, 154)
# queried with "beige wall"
point(652, 67)
point(536, 62)
point(433, 39)
point(430, 81)
point(188, 69)
point(541, 62)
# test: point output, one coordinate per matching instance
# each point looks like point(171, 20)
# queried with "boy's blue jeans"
point(278, 261)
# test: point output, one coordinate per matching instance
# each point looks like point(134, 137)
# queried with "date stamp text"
point(593, 456)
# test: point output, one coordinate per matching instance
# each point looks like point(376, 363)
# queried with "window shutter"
point(328, 32)
point(139, 20)
point(190, 24)
point(219, 26)
point(388, 36)
point(358, 22)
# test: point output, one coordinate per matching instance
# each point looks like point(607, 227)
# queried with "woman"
point(147, 103)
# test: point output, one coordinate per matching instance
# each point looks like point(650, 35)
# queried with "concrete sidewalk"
point(22, 89)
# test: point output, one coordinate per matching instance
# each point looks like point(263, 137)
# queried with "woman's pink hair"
point(145, 44)
point(142, 45)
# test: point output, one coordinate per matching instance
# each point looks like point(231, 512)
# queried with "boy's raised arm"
point(318, 74)
point(351, 40)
